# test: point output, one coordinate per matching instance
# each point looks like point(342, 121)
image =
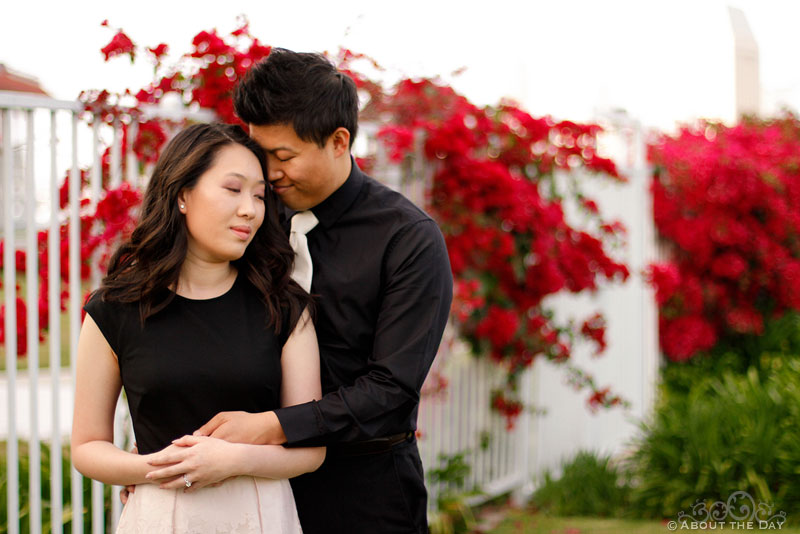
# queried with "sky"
point(662, 62)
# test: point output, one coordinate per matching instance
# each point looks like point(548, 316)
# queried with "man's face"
point(301, 173)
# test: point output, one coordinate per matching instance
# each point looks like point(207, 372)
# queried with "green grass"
point(526, 522)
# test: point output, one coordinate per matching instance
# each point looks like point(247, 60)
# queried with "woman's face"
point(225, 208)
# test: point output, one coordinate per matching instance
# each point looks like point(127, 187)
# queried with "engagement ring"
point(186, 480)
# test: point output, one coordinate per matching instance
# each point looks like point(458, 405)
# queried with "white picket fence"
point(42, 138)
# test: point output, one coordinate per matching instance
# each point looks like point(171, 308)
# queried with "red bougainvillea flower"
point(120, 44)
point(666, 278)
point(507, 407)
point(159, 51)
point(594, 328)
point(149, 140)
point(683, 337)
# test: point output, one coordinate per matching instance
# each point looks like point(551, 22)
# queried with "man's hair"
point(302, 89)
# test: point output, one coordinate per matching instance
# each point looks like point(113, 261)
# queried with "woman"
point(198, 315)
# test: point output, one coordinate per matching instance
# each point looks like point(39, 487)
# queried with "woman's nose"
point(247, 206)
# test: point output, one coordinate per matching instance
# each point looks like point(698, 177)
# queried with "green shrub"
point(736, 354)
point(590, 485)
point(453, 514)
point(722, 433)
point(24, 496)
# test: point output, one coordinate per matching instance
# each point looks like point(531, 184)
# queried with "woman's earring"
point(183, 206)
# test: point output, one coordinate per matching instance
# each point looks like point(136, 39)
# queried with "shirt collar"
point(329, 210)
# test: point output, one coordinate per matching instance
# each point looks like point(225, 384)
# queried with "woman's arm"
point(97, 387)
point(207, 460)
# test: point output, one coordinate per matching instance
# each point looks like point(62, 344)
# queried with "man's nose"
point(275, 170)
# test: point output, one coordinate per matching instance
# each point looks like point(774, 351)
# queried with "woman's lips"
point(243, 232)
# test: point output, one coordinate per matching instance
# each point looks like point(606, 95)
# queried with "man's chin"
point(294, 205)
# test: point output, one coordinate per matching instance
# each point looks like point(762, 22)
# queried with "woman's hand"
point(203, 461)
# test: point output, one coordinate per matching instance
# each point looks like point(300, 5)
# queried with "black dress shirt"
point(383, 289)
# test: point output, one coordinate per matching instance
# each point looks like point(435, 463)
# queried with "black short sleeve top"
point(192, 359)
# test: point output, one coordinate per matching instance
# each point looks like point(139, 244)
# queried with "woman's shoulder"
point(100, 304)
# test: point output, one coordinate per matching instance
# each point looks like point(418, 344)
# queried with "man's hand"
point(242, 427)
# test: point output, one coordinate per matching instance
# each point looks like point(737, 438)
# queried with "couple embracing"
point(272, 319)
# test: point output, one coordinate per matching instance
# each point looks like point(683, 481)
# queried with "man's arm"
point(415, 304)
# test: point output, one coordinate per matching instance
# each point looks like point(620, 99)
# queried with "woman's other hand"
point(203, 461)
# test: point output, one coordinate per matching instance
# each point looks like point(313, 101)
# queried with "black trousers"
point(379, 493)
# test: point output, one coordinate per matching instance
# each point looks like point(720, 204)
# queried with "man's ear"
point(341, 141)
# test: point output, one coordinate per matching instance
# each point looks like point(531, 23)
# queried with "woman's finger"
point(195, 486)
point(171, 455)
point(176, 483)
point(186, 441)
point(180, 483)
point(171, 471)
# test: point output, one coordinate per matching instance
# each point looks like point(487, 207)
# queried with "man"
point(383, 287)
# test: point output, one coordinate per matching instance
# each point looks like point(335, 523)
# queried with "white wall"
point(630, 362)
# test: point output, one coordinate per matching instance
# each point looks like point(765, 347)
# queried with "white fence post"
point(75, 299)
point(32, 296)
point(9, 285)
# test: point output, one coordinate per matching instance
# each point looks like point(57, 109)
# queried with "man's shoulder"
point(379, 198)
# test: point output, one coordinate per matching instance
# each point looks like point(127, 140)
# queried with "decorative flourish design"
point(739, 507)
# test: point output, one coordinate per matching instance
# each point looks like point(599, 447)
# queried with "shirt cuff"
point(301, 424)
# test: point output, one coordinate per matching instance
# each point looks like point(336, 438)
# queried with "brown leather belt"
point(371, 446)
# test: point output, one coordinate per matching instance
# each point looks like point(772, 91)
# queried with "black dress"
point(185, 364)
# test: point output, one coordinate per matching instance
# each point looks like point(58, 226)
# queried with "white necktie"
point(302, 223)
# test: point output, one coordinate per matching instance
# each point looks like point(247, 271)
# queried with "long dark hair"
point(298, 88)
point(145, 267)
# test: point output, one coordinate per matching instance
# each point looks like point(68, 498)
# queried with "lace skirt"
point(243, 504)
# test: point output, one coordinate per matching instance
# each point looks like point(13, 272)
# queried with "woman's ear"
point(182, 201)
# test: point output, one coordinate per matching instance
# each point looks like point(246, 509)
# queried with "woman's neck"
point(203, 280)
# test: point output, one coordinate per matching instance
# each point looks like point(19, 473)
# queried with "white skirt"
point(241, 505)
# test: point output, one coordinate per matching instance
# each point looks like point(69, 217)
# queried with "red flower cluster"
point(594, 328)
point(508, 408)
point(150, 138)
point(400, 141)
point(159, 51)
point(22, 326)
point(120, 44)
point(601, 398)
point(221, 65)
point(217, 67)
point(727, 199)
point(510, 246)
point(99, 232)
